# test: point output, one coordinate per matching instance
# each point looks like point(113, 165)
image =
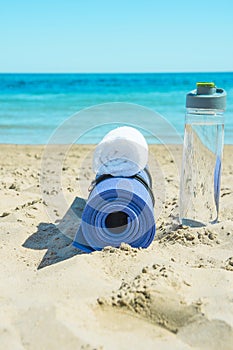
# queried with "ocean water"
point(33, 106)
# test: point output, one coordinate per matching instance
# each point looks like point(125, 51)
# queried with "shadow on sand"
point(57, 239)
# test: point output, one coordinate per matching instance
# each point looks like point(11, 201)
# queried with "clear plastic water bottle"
point(202, 155)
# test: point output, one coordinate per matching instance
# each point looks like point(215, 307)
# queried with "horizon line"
point(147, 72)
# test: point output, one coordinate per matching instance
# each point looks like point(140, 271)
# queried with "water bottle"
point(202, 155)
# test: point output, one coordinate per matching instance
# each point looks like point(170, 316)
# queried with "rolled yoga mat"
point(120, 206)
point(119, 209)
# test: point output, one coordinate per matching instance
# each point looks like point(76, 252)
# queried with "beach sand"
point(177, 294)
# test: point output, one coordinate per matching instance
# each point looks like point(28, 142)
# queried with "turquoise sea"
point(32, 106)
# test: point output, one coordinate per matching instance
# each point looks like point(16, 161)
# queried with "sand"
point(177, 294)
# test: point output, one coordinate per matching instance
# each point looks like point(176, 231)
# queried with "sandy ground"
point(177, 294)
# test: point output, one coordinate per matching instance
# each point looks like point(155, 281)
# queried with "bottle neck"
point(204, 116)
point(204, 111)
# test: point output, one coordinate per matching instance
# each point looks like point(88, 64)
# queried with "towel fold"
point(122, 152)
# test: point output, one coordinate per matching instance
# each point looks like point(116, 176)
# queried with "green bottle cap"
point(211, 85)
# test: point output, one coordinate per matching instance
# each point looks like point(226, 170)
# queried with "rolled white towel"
point(122, 152)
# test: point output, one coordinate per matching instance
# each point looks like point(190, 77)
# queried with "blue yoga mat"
point(119, 209)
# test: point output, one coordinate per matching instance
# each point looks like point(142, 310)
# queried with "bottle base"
point(195, 223)
point(192, 223)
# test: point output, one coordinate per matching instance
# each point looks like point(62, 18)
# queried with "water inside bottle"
point(200, 185)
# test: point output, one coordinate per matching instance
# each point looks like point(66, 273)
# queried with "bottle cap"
point(206, 96)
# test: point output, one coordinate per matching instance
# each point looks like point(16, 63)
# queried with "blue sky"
point(116, 35)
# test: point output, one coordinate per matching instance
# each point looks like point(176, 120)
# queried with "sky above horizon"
point(116, 36)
